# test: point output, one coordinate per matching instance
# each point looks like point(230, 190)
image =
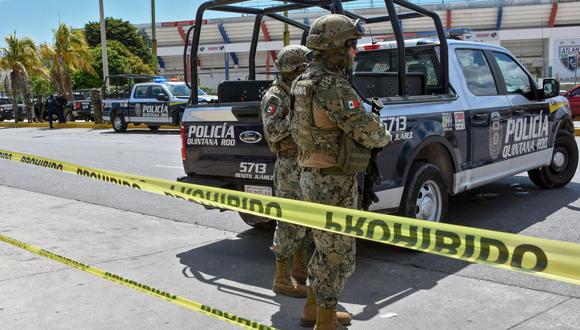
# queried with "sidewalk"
point(220, 269)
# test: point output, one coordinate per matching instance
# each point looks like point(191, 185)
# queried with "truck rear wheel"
point(153, 127)
point(119, 124)
point(68, 115)
point(425, 196)
point(258, 222)
point(563, 165)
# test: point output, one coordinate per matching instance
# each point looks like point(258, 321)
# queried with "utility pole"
point(576, 68)
point(153, 35)
point(286, 31)
point(104, 45)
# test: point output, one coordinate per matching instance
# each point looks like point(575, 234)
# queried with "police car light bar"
point(159, 79)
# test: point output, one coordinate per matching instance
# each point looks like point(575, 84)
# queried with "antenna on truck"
point(373, 41)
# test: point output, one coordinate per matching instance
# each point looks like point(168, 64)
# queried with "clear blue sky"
point(37, 18)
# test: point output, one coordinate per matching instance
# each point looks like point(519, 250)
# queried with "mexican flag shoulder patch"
point(270, 109)
point(351, 104)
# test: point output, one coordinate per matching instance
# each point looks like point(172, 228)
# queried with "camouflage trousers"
point(288, 238)
point(335, 255)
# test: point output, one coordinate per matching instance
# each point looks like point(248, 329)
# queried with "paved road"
point(424, 290)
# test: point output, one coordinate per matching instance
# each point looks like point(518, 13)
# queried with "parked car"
point(6, 112)
point(79, 108)
point(573, 97)
point(202, 96)
point(3, 101)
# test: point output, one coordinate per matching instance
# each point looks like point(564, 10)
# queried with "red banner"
point(180, 23)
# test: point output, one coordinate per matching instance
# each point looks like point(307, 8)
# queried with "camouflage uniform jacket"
point(275, 109)
point(326, 106)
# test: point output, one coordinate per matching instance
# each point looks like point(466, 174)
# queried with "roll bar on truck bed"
point(333, 6)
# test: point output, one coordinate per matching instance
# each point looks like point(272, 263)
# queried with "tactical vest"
point(280, 90)
point(321, 143)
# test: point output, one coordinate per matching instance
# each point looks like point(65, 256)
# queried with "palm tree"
point(50, 60)
point(19, 59)
point(70, 52)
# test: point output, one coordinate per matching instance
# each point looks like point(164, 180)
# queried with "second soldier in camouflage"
point(289, 240)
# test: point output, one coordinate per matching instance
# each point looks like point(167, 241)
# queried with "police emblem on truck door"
point(495, 135)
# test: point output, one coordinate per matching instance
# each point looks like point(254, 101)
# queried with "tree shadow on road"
point(510, 205)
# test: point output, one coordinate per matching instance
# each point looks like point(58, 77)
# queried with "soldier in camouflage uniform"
point(334, 135)
point(289, 240)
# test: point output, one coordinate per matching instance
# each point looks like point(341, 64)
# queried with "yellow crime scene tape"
point(180, 301)
point(537, 256)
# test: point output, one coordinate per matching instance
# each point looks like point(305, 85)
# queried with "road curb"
point(56, 125)
point(108, 126)
point(77, 125)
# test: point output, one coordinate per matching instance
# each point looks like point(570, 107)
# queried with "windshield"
point(178, 90)
point(181, 90)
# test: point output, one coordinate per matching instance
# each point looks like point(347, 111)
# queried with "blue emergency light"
point(159, 79)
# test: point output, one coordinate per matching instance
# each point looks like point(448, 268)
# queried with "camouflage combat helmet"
point(332, 31)
point(291, 58)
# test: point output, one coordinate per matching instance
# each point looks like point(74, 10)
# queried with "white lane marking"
point(85, 139)
point(168, 166)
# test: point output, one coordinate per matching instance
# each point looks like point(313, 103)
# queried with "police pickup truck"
point(494, 123)
point(462, 114)
point(150, 103)
point(80, 107)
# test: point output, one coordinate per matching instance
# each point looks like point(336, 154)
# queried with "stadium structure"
point(543, 34)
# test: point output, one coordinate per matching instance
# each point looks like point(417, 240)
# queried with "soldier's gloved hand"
point(390, 137)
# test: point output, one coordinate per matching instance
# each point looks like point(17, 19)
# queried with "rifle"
point(372, 176)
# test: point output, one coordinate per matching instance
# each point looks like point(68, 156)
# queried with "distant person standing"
point(50, 109)
point(55, 106)
point(61, 102)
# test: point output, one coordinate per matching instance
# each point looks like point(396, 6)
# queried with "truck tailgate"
point(232, 148)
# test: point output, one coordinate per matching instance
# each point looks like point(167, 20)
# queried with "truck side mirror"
point(162, 97)
point(551, 88)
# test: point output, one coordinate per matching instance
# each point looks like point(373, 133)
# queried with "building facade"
point(543, 34)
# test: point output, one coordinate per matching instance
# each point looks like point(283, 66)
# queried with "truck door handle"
point(480, 118)
point(519, 112)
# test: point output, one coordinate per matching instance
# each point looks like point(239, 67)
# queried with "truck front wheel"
point(563, 165)
point(425, 195)
point(119, 124)
point(258, 222)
